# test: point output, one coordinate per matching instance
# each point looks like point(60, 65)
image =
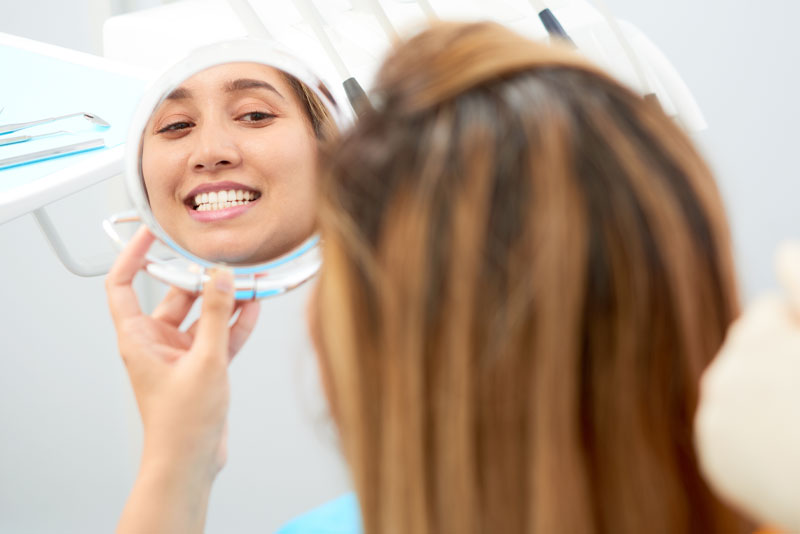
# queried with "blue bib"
point(339, 516)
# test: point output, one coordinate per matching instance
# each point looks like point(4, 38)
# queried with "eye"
point(256, 117)
point(176, 126)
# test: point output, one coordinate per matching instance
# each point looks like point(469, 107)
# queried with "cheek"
point(291, 163)
point(161, 171)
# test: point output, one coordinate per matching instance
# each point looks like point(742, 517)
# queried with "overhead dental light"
point(615, 45)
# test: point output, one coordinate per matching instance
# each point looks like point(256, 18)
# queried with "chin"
point(221, 254)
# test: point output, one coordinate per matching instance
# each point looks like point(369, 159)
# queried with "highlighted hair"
point(526, 269)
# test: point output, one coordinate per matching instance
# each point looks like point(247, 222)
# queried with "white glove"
point(748, 422)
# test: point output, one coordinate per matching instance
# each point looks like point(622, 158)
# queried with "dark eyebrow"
point(247, 83)
point(179, 93)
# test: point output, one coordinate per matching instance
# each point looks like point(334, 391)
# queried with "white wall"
point(70, 436)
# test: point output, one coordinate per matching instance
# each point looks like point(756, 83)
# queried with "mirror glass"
point(222, 155)
point(229, 162)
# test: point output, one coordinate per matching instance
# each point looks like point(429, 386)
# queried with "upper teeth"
point(223, 199)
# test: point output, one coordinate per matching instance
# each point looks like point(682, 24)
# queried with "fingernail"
point(223, 280)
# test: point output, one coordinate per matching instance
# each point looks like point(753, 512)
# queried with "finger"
point(243, 327)
point(211, 339)
point(787, 267)
point(122, 300)
point(175, 306)
point(192, 330)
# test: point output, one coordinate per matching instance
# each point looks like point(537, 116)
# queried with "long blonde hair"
point(526, 268)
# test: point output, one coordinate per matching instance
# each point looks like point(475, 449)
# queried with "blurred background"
point(69, 431)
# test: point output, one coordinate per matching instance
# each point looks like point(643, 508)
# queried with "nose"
point(215, 148)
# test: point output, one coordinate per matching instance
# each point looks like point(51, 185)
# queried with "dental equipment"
point(355, 93)
point(588, 26)
point(249, 18)
point(651, 73)
point(550, 22)
point(383, 20)
point(626, 46)
point(256, 28)
point(86, 82)
point(22, 138)
point(57, 152)
point(427, 8)
point(94, 119)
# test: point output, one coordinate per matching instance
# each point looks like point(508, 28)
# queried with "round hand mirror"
point(221, 164)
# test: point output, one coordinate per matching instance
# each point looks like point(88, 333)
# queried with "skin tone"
point(233, 127)
point(180, 381)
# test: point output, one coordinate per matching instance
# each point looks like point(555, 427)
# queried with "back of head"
point(526, 269)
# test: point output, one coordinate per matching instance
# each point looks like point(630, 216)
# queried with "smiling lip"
point(220, 215)
point(215, 187)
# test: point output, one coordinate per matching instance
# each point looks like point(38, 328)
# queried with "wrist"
point(167, 497)
point(190, 456)
point(187, 468)
point(180, 484)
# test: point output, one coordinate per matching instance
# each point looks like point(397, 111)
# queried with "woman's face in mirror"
point(229, 164)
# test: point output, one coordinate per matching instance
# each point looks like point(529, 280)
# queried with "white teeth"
point(217, 200)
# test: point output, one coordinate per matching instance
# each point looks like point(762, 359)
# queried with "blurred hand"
point(179, 378)
point(748, 421)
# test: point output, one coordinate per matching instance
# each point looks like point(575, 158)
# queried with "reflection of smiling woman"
point(229, 162)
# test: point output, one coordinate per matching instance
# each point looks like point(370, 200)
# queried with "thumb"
point(218, 301)
point(787, 268)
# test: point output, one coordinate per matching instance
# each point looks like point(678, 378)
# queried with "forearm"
point(166, 498)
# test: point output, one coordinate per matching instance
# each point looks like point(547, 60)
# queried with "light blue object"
point(52, 153)
point(304, 248)
point(309, 244)
point(244, 295)
point(340, 516)
point(52, 87)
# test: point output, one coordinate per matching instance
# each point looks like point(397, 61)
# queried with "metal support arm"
point(75, 266)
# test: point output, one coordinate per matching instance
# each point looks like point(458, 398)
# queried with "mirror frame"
point(297, 261)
